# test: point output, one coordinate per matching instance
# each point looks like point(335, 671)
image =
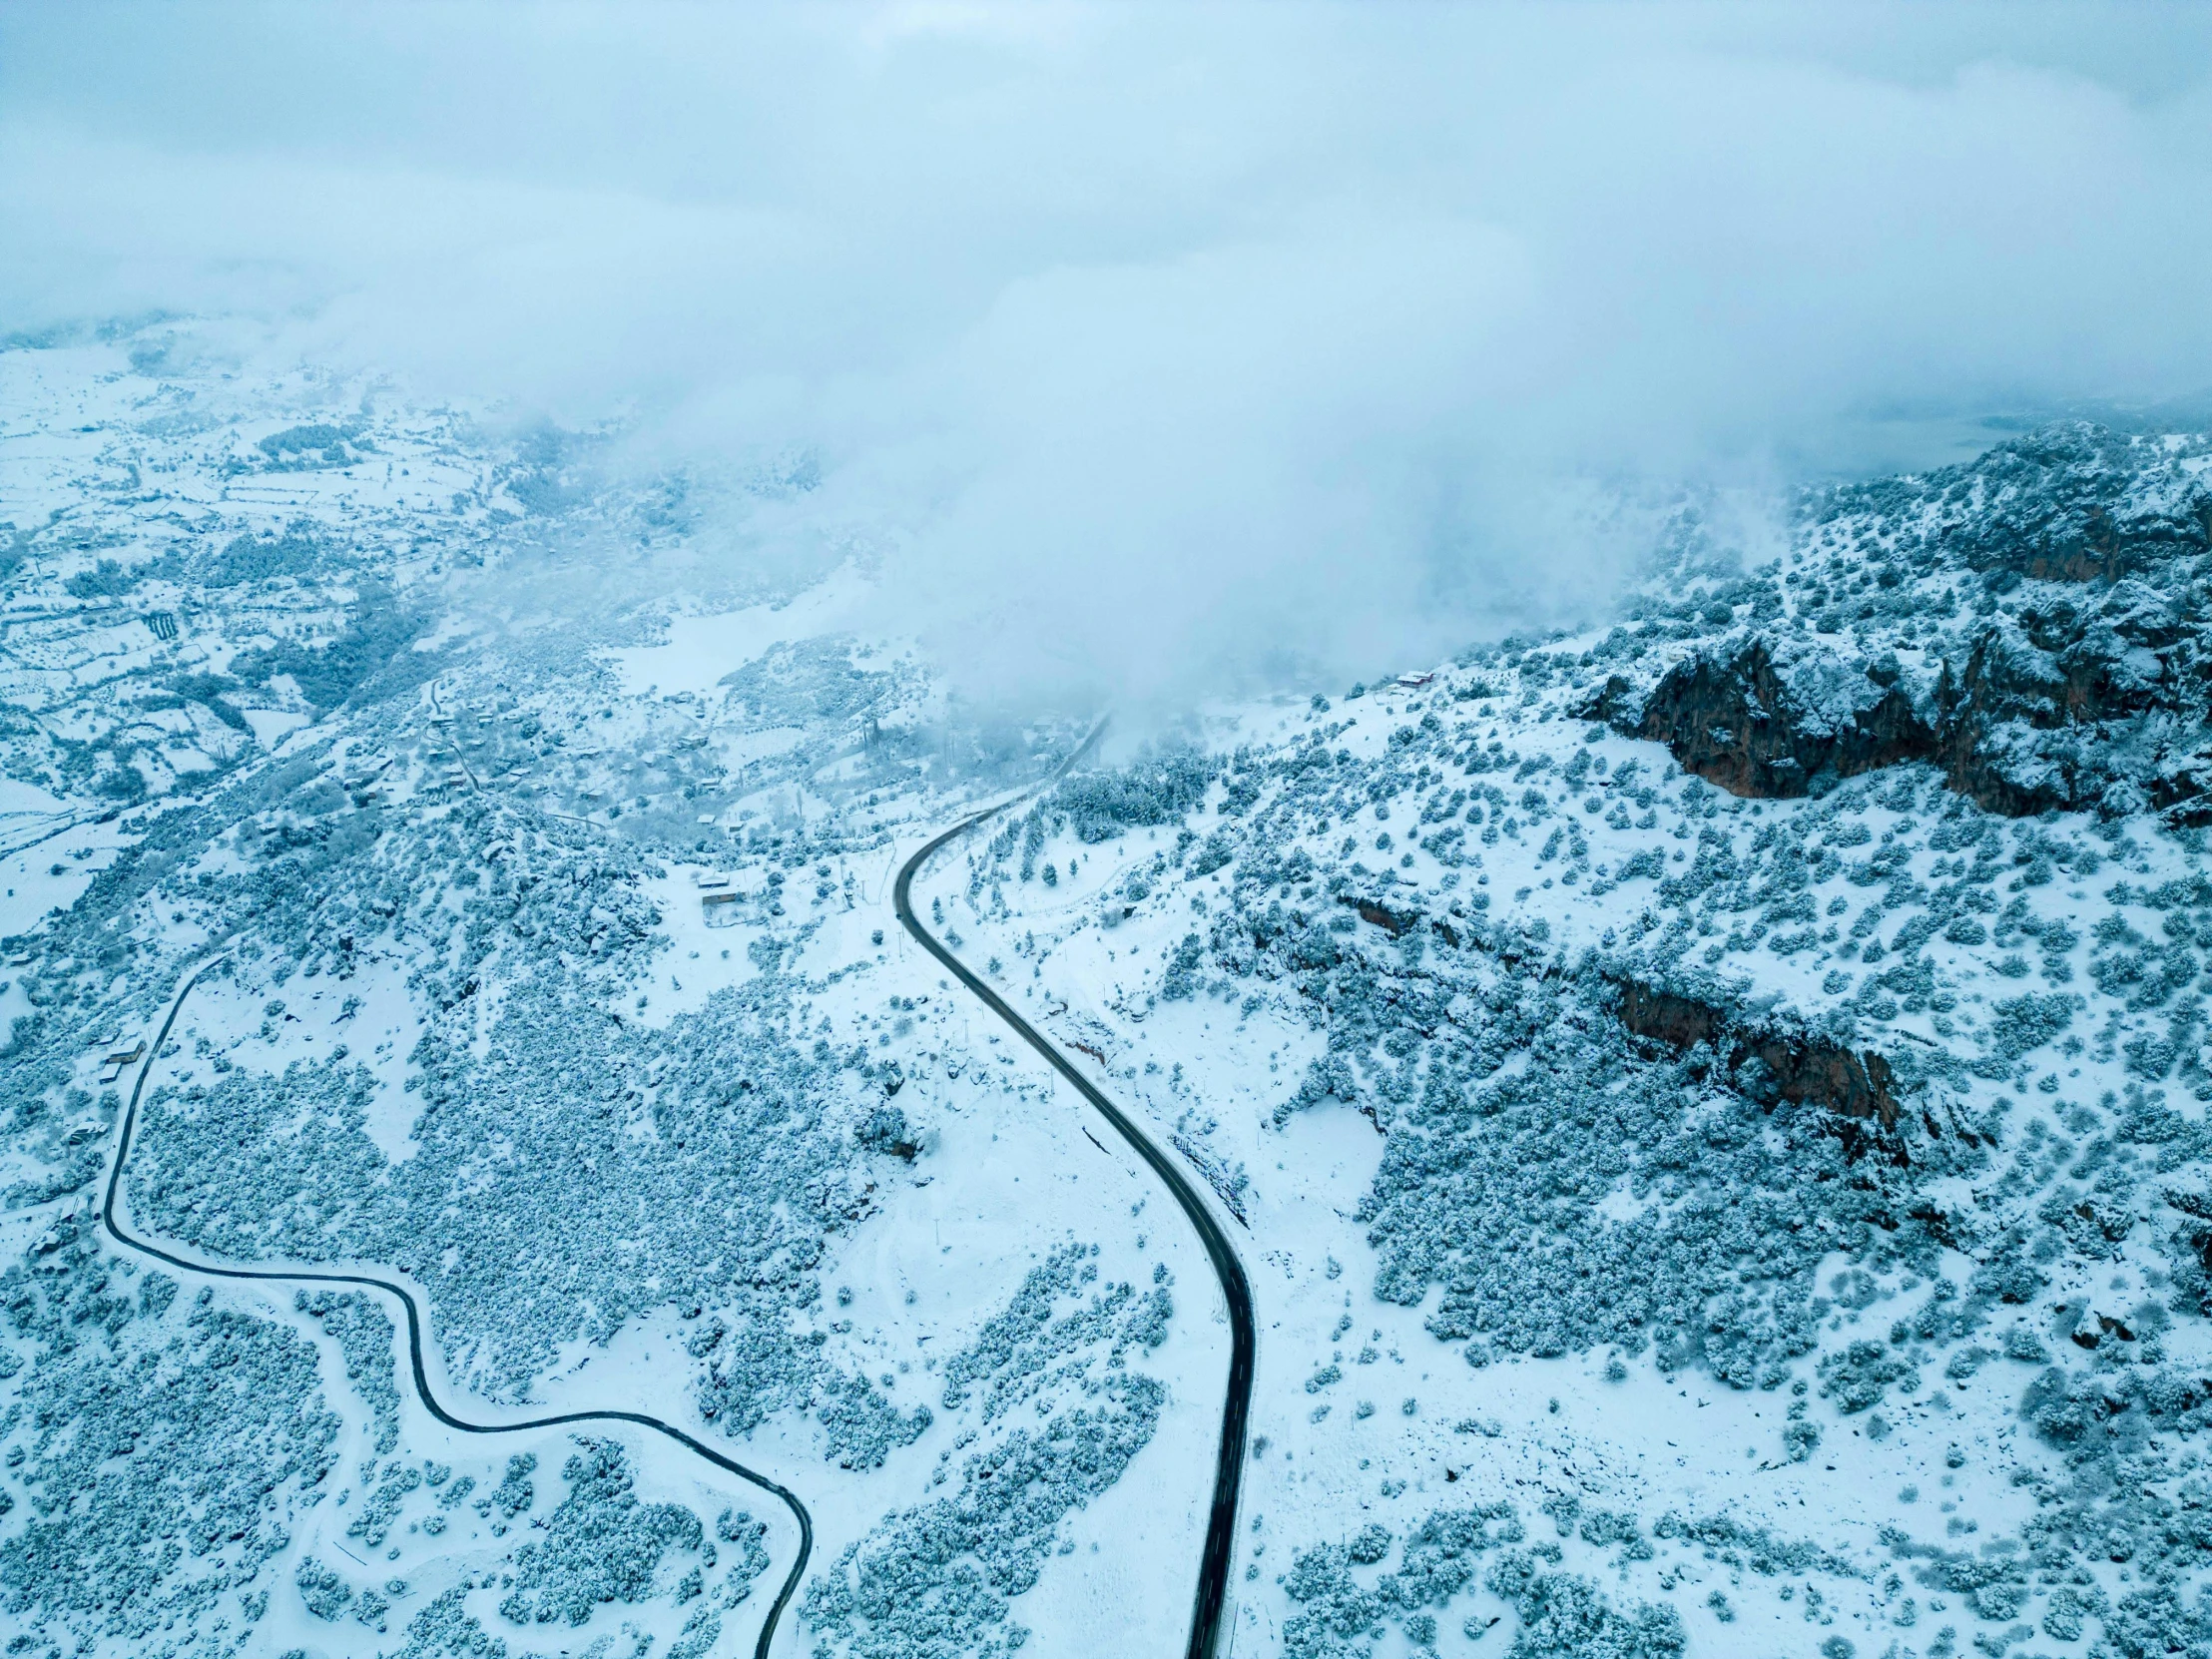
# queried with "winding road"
point(1221, 1527)
point(1212, 1600)
point(407, 1299)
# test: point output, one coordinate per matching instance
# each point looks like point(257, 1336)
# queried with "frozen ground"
point(1711, 1108)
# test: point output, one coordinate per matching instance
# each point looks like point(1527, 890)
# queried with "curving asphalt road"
point(1221, 1525)
point(1212, 1599)
point(414, 1335)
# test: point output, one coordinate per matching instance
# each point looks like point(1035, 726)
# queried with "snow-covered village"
point(715, 994)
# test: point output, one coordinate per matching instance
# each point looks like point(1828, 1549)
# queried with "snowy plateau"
point(1710, 1111)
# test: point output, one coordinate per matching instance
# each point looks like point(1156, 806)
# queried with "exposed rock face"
point(2038, 626)
point(2069, 503)
point(1392, 922)
point(1804, 1070)
point(1736, 722)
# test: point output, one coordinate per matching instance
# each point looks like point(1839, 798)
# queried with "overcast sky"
point(1154, 343)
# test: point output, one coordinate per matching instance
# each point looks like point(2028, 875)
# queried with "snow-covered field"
point(1712, 1108)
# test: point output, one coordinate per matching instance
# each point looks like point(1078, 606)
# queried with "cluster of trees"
point(1161, 787)
point(936, 1581)
point(298, 551)
point(106, 579)
point(1009, 1358)
point(158, 1445)
point(577, 1174)
point(1339, 1612)
point(364, 1336)
point(599, 1545)
point(317, 443)
point(1506, 1187)
point(373, 643)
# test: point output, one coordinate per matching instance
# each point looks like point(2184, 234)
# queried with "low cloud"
point(1158, 351)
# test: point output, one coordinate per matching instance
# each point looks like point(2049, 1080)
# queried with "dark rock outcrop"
point(1392, 922)
point(1736, 722)
point(1798, 1067)
point(2035, 625)
point(2068, 503)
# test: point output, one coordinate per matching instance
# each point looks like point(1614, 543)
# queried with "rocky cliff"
point(2033, 625)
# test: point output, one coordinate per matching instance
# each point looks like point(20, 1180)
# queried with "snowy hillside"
point(1710, 1109)
point(1720, 1100)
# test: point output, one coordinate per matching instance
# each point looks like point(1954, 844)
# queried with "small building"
point(114, 1065)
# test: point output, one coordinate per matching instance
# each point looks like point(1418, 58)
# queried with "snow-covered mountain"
point(1710, 1109)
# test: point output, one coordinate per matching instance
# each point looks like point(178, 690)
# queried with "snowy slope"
point(1785, 1200)
point(1711, 1108)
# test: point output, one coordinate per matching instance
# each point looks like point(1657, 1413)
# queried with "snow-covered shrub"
point(1154, 790)
point(160, 1451)
point(600, 1543)
point(936, 1580)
